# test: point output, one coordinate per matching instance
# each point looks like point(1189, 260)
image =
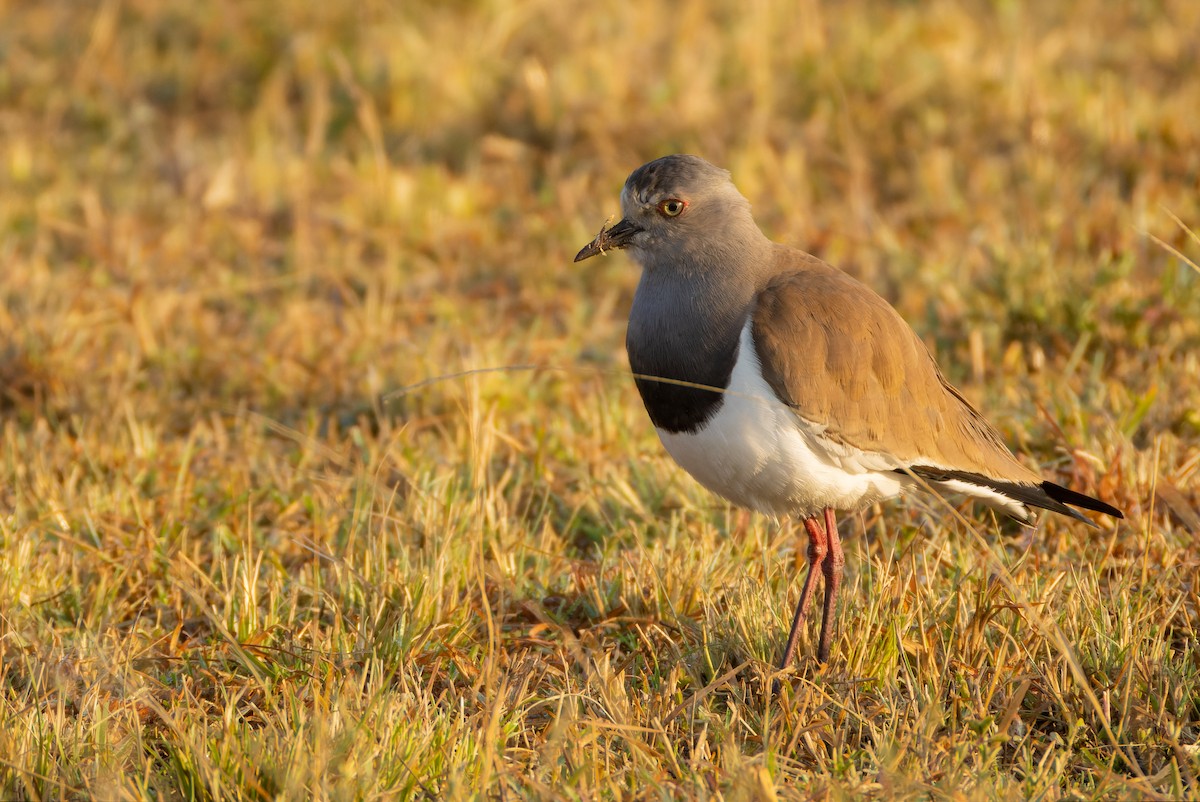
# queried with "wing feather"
point(844, 359)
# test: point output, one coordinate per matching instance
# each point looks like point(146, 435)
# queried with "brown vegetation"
point(238, 560)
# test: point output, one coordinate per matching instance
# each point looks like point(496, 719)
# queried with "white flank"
point(758, 453)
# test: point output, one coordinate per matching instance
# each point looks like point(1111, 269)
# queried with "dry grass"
point(235, 563)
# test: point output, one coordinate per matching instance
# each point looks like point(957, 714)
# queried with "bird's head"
point(678, 211)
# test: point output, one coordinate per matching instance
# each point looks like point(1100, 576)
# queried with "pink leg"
point(817, 549)
point(832, 568)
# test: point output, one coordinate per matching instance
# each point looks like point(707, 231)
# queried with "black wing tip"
point(1046, 495)
point(1066, 495)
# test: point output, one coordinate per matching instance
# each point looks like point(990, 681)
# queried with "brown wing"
point(842, 357)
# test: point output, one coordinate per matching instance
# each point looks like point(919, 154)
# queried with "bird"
point(788, 387)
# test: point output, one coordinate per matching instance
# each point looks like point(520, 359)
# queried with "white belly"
point(758, 454)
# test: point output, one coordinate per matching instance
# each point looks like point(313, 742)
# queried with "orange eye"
point(672, 207)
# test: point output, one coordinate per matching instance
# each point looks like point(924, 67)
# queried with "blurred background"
point(232, 233)
point(209, 194)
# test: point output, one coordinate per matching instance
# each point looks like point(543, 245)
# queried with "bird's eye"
point(672, 207)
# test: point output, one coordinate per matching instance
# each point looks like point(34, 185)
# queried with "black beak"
point(609, 239)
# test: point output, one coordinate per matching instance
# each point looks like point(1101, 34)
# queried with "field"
point(322, 474)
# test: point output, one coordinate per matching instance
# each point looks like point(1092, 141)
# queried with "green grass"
point(238, 560)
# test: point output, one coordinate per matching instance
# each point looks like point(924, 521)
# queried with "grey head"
point(683, 214)
point(703, 261)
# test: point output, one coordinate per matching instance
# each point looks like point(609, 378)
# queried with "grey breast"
point(678, 332)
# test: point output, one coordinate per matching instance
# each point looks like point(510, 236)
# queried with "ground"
point(323, 475)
